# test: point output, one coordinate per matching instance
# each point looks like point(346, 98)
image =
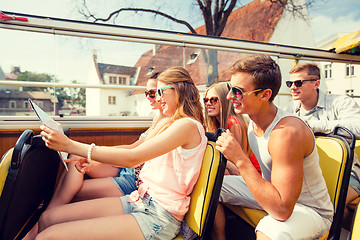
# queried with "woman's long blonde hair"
point(187, 94)
point(226, 111)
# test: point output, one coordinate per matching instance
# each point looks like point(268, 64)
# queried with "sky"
point(327, 17)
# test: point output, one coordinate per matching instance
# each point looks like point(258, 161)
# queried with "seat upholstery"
point(204, 197)
point(355, 202)
point(28, 174)
point(4, 167)
point(355, 229)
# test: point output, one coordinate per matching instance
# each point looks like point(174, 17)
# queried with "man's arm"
point(289, 143)
point(346, 113)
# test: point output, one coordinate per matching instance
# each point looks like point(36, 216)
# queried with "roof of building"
point(15, 95)
point(115, 69)
point(255, 21)
point(15, 72)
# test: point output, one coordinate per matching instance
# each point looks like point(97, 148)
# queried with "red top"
point(233, 120)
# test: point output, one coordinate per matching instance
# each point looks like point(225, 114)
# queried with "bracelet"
point(90, 151)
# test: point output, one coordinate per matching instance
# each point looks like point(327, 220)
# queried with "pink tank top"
point(170, 178)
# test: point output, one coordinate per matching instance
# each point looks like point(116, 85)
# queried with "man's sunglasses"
point(159, 91)
point(213, 100)
point(298, 83)
point(151, 93)
point(238, 93)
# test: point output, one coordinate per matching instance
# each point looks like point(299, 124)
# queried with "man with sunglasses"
point(323, 112)
point(286, 151)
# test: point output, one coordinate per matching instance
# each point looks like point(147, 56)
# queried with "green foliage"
point(61, 95)
point(78, 95)
point(35, 77)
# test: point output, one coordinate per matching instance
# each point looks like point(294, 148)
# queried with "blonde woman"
point(219, 113)
point(172, 159)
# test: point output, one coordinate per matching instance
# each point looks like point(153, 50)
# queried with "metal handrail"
point(69, 85)
point(133, 34)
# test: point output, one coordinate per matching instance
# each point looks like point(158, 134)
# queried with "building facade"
point(339, 78)
point(110, 102)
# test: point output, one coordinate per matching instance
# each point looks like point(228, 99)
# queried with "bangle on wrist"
point(90, 151)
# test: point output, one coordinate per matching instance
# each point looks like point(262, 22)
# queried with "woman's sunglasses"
point(238, 93)
point(213, 100)
point(298, 83)
point(151, 93)
point(159, 91)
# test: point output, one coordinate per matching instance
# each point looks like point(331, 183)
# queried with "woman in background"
point(219, 113)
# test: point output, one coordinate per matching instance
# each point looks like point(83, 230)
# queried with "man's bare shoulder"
point(291, 123)
point(291, 129)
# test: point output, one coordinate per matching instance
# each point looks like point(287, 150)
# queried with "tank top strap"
point(199, 126)
point(280, 114)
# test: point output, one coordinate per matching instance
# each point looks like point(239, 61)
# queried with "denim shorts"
point(354, 182)
point(155, 222)
point(125, 180)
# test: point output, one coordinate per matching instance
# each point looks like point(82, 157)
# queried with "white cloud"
point(324, 26)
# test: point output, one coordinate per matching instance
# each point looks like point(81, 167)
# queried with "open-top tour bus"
point(92, 76)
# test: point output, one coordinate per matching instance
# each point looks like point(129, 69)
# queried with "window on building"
point(349, 70)
point(122, 80)
point(12, 104)
point(26, 105)
point(151, 70)
point(193, 57)
point(112, 80)
point(111, 100)
point(328, 71)
point(349, 92)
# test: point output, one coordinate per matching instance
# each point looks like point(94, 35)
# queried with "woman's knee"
point(45, 220)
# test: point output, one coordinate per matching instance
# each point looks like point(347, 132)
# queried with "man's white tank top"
point(314, 192)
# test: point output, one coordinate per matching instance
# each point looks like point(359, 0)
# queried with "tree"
point(78, 95)
point(60, 93)
point(215, 15)
point(34, 77)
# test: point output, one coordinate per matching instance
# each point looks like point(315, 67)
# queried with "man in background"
point(323, 112)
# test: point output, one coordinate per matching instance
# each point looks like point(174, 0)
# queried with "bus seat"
point(355, 229)
point(355, 202)
point(251, 216)
point(335, 158)
point(28, 174)
point(357, 147)
point(205, 195)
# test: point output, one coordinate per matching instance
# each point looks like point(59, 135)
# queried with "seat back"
point(335, 157)
point(357, 148)
point(29, 180)
point(332, 158)
point(4, 167)
point(205, 195)
point(355, 202)
point(355, 229)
